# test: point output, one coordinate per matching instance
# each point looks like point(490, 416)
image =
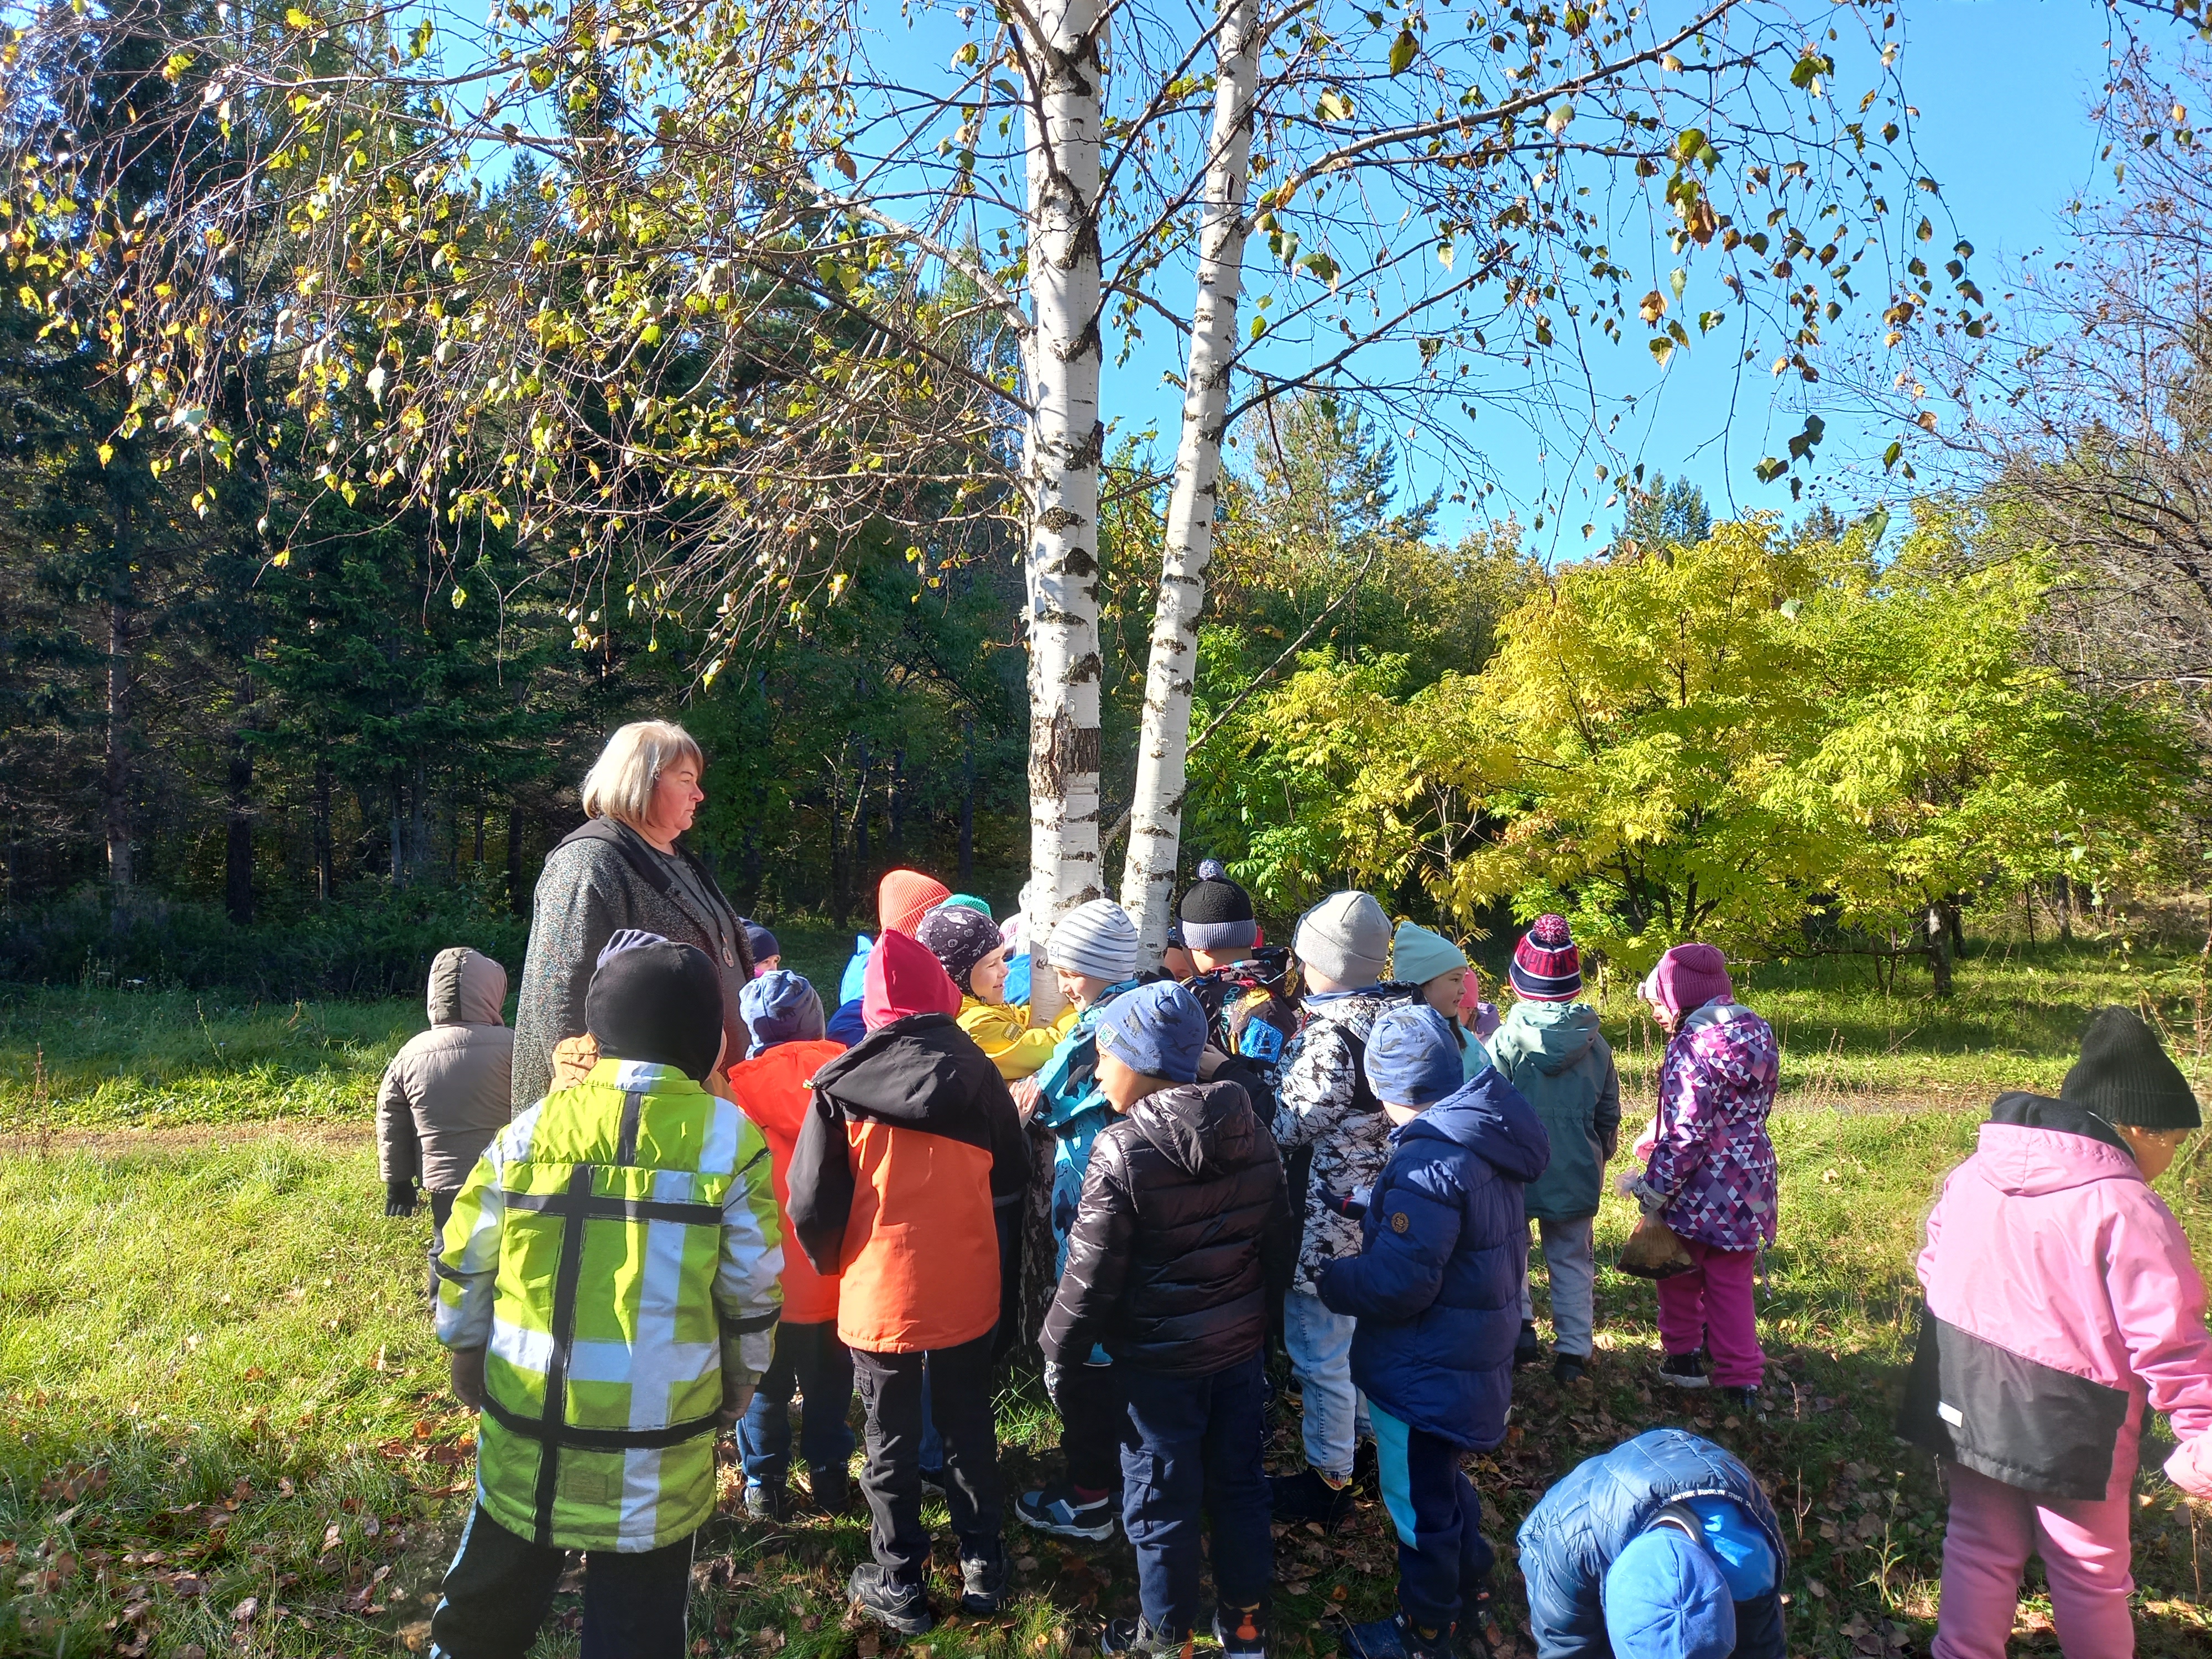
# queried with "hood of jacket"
point(1489, 1118)
point(1563, 1032)
point(1204, 1129)
point(466, 987)
point(771, 1087)
point(908, 1071)
point(2032, 1145)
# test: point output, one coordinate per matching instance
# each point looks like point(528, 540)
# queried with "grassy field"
point(224, 1427)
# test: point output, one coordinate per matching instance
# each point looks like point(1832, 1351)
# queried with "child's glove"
point(399, 1196)
point(2190, 1467)
point(1338, 1204)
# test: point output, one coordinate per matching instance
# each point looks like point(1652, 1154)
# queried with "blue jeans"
point(1443, 1560)
point(1321, 1353)
point(812, 1360)
point(1193, 1444)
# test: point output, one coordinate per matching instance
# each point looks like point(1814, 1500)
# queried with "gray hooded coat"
point(1553, 1054)
point(445, 1095)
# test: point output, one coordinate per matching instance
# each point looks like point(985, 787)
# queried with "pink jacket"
point(2049, 1245)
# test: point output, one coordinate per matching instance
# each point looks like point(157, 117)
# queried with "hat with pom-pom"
point(1547, 965)
point(1216, 912)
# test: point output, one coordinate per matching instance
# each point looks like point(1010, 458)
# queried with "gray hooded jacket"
point(1553, 1054)
point(445, 1095)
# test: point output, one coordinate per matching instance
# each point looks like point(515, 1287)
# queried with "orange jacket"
point(912, 1140)
point(772, 1091)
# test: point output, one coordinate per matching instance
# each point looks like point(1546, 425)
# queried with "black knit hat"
point(657, 1002)
point(2126, 1076)
point(1216, 912)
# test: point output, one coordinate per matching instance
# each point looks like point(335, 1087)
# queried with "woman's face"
point(988, 978)
point(676, 799)
point(1442, 992)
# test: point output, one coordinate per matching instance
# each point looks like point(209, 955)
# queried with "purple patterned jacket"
point(1712, 1172)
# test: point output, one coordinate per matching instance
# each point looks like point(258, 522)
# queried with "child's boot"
point(768, 1501)
point(1242, 1631)
point(1398, 1637)
point(902, 1607)
point(1134, 1636)
point(1306, 1496)
point(1527, 1350)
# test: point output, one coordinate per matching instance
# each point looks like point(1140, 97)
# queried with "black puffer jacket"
point(1183, 1215)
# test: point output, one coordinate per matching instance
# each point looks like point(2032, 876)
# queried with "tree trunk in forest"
point(115, 773)
point(237, 840)
point(518, 901)
point(1062, 448)
point(898, 805)
point(861, 853)
point(1939, 949)
point(1148, 872)
point(967, 805)
point(322, 872)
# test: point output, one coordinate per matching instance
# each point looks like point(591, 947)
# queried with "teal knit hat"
point(1417, 956)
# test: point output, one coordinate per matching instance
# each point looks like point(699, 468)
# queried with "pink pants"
point(2083, 1542)
point(1711, 1306)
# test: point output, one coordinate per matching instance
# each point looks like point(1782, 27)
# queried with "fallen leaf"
point(244, 1610)
point(1816, 1589)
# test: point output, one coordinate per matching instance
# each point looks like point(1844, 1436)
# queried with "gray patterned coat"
point(1324, 1103)
point(587, 892)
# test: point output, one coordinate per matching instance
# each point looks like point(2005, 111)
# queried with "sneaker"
point(982, 1584)
point(1396, 1637)
point(902, 1607)
point(1569, 1368)
point(1058, 1510)
point(1134, 1636)
point(933, 1481)
point(1367, 1467)
point(1242, 1631)
point(831, 1489)
point(1306, 1496)
point(1475, 1627)
point(1685, 1371)
point(767, 1502)
point(1742, 1400)
point(1527, 1350)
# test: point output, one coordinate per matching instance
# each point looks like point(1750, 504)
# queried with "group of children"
point(1339, 1143)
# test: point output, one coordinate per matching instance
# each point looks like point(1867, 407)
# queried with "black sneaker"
point(1475, 1630)
point(1685, 1371)
point(1306, 1496)
point(1569, 1368)
point(1134, 1636)
point(902, 1607)
point(1367, 1467)
point(1242, 1631)
point(982, 1584)
point(831, 1489)
point(1396, 1637)
point(1742, 1400)
point(1527, 1350)
point(767, 1502)
point(1058, 1510)
point(933, 1481)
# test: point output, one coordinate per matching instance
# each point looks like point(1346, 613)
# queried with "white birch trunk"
point(1156, 812)
point(1061, 473)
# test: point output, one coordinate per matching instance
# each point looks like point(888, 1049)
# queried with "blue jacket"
point(1570, 1540)
point(1436, 1285)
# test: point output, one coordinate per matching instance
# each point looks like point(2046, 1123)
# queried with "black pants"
point(1092, 1426)
point(889, 1386)
point(498, 1589)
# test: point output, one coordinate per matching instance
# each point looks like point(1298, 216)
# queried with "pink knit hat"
point(1688, 976)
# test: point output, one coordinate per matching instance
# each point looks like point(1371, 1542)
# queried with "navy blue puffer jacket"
point(1570, 1540)
point(1436, 1285)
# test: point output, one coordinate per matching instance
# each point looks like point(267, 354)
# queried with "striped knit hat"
point(1547, 966)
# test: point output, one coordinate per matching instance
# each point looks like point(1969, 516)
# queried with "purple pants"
point(1711, 1306)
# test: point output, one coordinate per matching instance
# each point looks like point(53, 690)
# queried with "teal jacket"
point(1553, 1054)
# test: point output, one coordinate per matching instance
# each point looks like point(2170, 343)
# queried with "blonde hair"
point(620, 783)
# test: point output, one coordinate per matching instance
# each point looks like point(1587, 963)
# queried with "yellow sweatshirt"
point(1003, 1031)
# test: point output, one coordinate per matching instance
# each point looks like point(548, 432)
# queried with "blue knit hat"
point(778, 1007)
point(1412, 1058)
point(1665, 1599)
point(1158, 1030)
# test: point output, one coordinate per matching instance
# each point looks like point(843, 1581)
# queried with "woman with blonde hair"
point(623, 869)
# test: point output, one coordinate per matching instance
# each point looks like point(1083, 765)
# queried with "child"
point(770, 1086)
point(974, 953)
point(602, 1390)
point(767, 953)
point(1436, 1289)
point(445, 1095)
point(1665, 1547)
point(1712, 1171)
point(1183, 1196)
point(1251, 1011)
point(1438, 971)
point(1093, 952)
point(1324, 1105)
point(903, 897)
point(911, 1140)
point(1549, 1050)
point(2061, 1303)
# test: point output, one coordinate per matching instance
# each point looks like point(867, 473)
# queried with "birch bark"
point(1060, 467)
point(1148, 872)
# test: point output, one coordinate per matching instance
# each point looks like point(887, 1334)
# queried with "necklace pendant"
point(729, 957)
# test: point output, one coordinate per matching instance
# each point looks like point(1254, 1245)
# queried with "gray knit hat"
point(1347, 937)
point(1096, 939)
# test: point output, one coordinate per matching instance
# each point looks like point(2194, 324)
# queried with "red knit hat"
point(903, 897)
point(1547, 964)
point(904, 978)
point(1689, 976)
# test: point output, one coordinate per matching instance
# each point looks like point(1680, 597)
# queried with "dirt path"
point(193, 1137)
